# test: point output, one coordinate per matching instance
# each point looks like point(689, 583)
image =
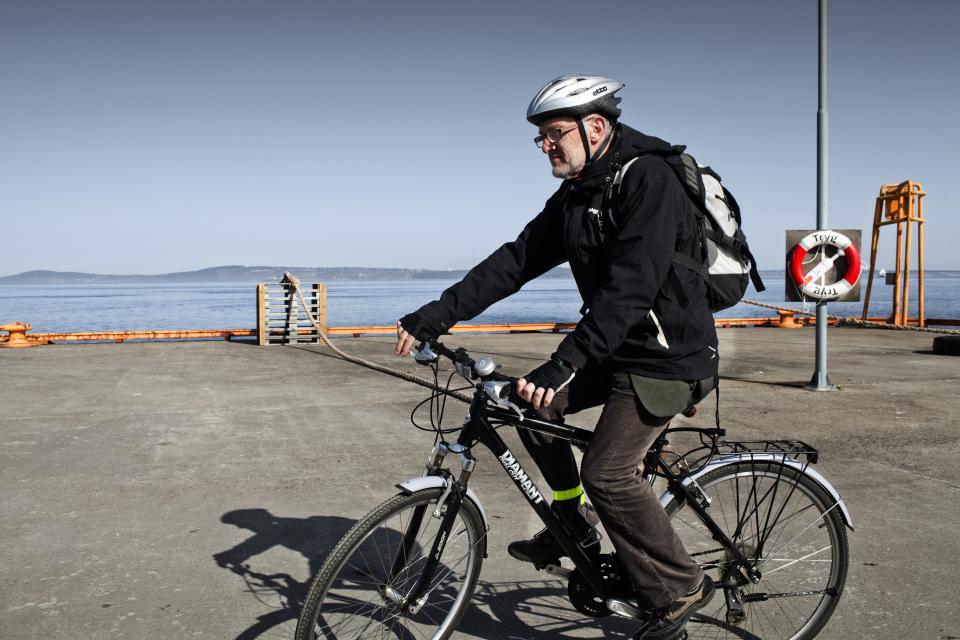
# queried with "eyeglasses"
point(553, 136)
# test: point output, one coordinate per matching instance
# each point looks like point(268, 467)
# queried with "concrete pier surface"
point(185, 490)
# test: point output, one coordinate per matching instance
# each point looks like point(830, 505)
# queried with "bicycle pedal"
point(625, 608)
point(735, 617)
point(542, 566)
point(557, 570)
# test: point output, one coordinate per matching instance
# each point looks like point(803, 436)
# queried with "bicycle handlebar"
point(497, 387)
point(483, 368)
point(503, 395)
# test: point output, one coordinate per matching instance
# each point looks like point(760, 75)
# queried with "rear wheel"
point(789, 529)
point(360, 591)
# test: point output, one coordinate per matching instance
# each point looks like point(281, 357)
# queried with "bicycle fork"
point(447, 508)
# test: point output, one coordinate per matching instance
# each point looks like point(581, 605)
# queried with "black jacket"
point(641, 313)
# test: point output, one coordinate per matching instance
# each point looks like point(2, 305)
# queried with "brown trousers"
point(659, 566)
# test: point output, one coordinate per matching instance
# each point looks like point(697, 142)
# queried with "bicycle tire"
point(346, 599)
point(790, 529)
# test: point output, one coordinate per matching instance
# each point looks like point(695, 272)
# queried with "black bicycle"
point(768, 528)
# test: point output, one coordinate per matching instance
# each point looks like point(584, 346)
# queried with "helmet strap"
point(584, 139)
point(591, 158)
point(603, 145)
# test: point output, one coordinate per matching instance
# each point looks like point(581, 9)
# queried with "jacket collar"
point(627, 143)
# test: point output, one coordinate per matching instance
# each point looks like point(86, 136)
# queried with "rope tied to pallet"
point(290, 279)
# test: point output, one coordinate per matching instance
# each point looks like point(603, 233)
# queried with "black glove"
point(422, 325)
point(552, 374)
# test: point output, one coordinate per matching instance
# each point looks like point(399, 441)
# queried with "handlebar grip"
point(437, 346)
point(499, 377)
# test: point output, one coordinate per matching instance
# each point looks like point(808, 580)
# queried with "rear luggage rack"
point(693, 460)
point(788, 448)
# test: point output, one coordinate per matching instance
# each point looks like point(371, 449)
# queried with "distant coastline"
point(241, 274)
point(236, 273)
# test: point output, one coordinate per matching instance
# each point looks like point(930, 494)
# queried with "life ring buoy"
point(808, 283)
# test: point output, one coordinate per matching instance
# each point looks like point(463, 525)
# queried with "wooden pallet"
point(281, 318)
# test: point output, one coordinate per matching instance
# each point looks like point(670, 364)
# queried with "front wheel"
point(361, 590)
point(790, 531)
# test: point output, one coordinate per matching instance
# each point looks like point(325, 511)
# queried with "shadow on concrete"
point(511, 609)
point(534, 609)
point(250, 341)
point(929, 352)
point(790, 385)
point(311, 537)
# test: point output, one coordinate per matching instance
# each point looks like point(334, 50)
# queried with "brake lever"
point(493, 389)
point(464, 369)
point(425, 355)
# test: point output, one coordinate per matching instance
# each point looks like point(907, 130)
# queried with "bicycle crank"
point(584, 598)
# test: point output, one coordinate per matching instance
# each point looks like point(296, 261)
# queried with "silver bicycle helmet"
point(576, 95)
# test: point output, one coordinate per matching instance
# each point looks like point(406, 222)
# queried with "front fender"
point(429, 482)
point(736, 458)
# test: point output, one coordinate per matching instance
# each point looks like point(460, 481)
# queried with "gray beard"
point(567, 170)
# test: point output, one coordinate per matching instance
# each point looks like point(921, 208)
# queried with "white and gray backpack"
point(726, 262)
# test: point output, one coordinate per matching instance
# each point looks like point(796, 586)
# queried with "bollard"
point(17, 337)
point(787, 321)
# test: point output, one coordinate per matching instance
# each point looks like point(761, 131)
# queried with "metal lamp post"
point(820, 380)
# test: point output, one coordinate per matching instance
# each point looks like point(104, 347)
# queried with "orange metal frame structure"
point(900, 204)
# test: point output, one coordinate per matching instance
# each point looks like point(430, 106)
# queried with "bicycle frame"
point(745, 507)
point(479, 427)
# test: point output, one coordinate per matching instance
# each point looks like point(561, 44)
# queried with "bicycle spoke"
point(783, 521)
point(763, 540)
point(773, 554)
point(745, 517)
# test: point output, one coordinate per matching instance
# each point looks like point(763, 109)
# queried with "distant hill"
point(236, 273)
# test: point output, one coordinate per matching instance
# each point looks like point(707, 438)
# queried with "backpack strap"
point(696, 266)
point(745, 248)
point(615, 187)
point(689, 171)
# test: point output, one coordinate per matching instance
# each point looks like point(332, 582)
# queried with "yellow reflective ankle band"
point(570, 494)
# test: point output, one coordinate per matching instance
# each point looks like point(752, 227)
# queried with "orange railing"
point(18, 337)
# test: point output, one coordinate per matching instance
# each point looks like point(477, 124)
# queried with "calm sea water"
point(131, 307)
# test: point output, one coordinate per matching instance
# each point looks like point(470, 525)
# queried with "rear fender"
point(736, 458)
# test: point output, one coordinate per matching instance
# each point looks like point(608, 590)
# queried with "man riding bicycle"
point(645, 348)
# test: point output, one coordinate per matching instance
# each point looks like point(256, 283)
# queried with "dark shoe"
point(669, 621)
point(543, 548)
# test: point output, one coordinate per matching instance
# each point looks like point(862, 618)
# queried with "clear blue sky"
point(150, 137)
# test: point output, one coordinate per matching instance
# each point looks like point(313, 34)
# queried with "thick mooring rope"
point(851, 320)
point(288, 278)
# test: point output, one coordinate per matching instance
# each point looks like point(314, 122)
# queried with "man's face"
point(567, 157)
